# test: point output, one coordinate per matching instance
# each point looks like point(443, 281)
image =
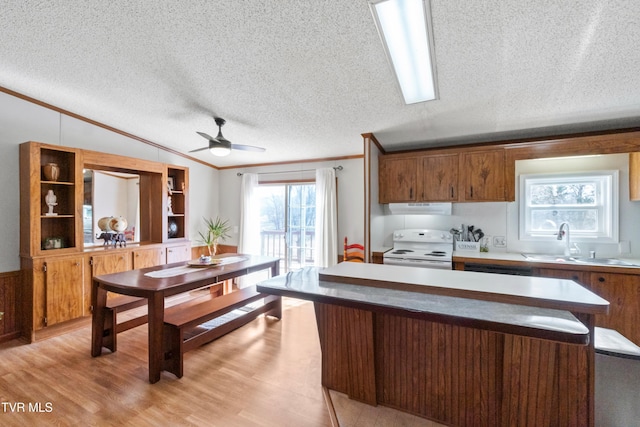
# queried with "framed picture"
point(171, 183)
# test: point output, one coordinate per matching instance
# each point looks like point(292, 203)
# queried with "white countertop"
point(528, 320)
point(525, 290)
point(518, 257)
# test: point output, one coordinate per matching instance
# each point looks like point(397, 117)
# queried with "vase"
point(51, 171)
point(103, 223)
point(172, 229)
point(118, 224)
point(213, 248)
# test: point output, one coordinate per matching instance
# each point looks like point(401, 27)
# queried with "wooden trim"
point(373, 139)
point(289, 162)
point(510, 142)
point(634, 182)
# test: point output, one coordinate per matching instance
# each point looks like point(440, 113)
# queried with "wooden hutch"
point(57, 267)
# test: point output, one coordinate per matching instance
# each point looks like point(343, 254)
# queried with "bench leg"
point(109, 333)
point(172, 340)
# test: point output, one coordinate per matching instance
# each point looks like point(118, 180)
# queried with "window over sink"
point(588, 201)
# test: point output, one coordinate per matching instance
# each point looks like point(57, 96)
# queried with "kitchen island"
point(461, 348)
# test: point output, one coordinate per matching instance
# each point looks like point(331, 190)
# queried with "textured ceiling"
point(306, 79)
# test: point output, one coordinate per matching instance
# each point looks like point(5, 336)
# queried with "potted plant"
point(217, 230)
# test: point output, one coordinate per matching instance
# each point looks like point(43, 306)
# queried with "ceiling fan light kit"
point(220, 146)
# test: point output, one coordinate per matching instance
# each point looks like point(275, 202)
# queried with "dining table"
point(159, 282)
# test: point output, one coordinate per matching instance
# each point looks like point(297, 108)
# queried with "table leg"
point(156, 324)
point(98, 302)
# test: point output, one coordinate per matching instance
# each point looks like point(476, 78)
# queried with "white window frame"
point(607, 204)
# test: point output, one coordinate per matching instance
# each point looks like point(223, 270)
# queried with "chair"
point(353, 252)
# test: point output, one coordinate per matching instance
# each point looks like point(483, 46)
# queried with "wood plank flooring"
point(266, 373)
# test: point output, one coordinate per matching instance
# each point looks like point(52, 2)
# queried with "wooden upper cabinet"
point(439, 178)
point(397, 180)
point(483, 176)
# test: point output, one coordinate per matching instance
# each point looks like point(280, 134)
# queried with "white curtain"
point(326, 218)
point(249, 239)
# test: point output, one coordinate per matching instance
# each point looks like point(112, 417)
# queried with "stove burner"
point(401, 251)
point(436, 253)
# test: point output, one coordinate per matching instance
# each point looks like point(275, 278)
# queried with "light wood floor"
point(266, 373)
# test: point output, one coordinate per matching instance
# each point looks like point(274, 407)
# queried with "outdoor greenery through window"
point(587, 201)
point(287, 223)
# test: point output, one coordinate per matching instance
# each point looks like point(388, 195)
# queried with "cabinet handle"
point(600, 279)
point(452, 195)
point(411, 193)
point(471, 195)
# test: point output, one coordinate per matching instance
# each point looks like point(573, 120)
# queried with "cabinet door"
point(178, 253)
point(623, 293)
point(483, 176)
point(440, 178)
point(397, 180)
point(110, 263)
point(63, 289)
point(148, 257)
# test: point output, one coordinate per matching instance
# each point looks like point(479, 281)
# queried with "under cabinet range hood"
point(420, 208)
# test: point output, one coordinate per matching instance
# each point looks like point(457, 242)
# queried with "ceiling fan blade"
point(206, 136)
point(246, 147)
point(199, 149)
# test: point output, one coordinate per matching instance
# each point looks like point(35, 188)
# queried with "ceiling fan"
point(220, 146)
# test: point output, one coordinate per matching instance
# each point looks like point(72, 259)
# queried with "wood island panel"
point(429, 360)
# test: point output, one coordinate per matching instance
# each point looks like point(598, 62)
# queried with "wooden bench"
point(121, 303)
point(186, 328)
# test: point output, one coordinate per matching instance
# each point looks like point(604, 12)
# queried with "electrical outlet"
point(499, 241)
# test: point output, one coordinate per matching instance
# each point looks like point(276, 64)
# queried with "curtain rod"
point(338, 168)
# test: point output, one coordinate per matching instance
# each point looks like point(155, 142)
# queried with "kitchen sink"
point(604, 261)
point(547, 258)
point(577, 260)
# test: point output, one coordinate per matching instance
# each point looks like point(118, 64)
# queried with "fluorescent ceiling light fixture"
point(407, 36)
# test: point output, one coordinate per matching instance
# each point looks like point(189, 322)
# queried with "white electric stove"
point(421, 248)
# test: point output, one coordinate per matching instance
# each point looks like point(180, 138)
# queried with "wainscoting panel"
point(9, 288)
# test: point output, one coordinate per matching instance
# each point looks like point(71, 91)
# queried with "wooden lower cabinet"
point(148, 257)
point(178, 253)
point(623, 293)
point(621, 290)
point(57, 288)
point(63, 291)
point(52, 292)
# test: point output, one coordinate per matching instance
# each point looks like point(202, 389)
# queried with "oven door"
point(423, 263)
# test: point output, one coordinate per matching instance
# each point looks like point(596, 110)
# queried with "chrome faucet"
point(567, 242)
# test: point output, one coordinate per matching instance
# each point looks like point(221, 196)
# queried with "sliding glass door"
point(287, 223)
